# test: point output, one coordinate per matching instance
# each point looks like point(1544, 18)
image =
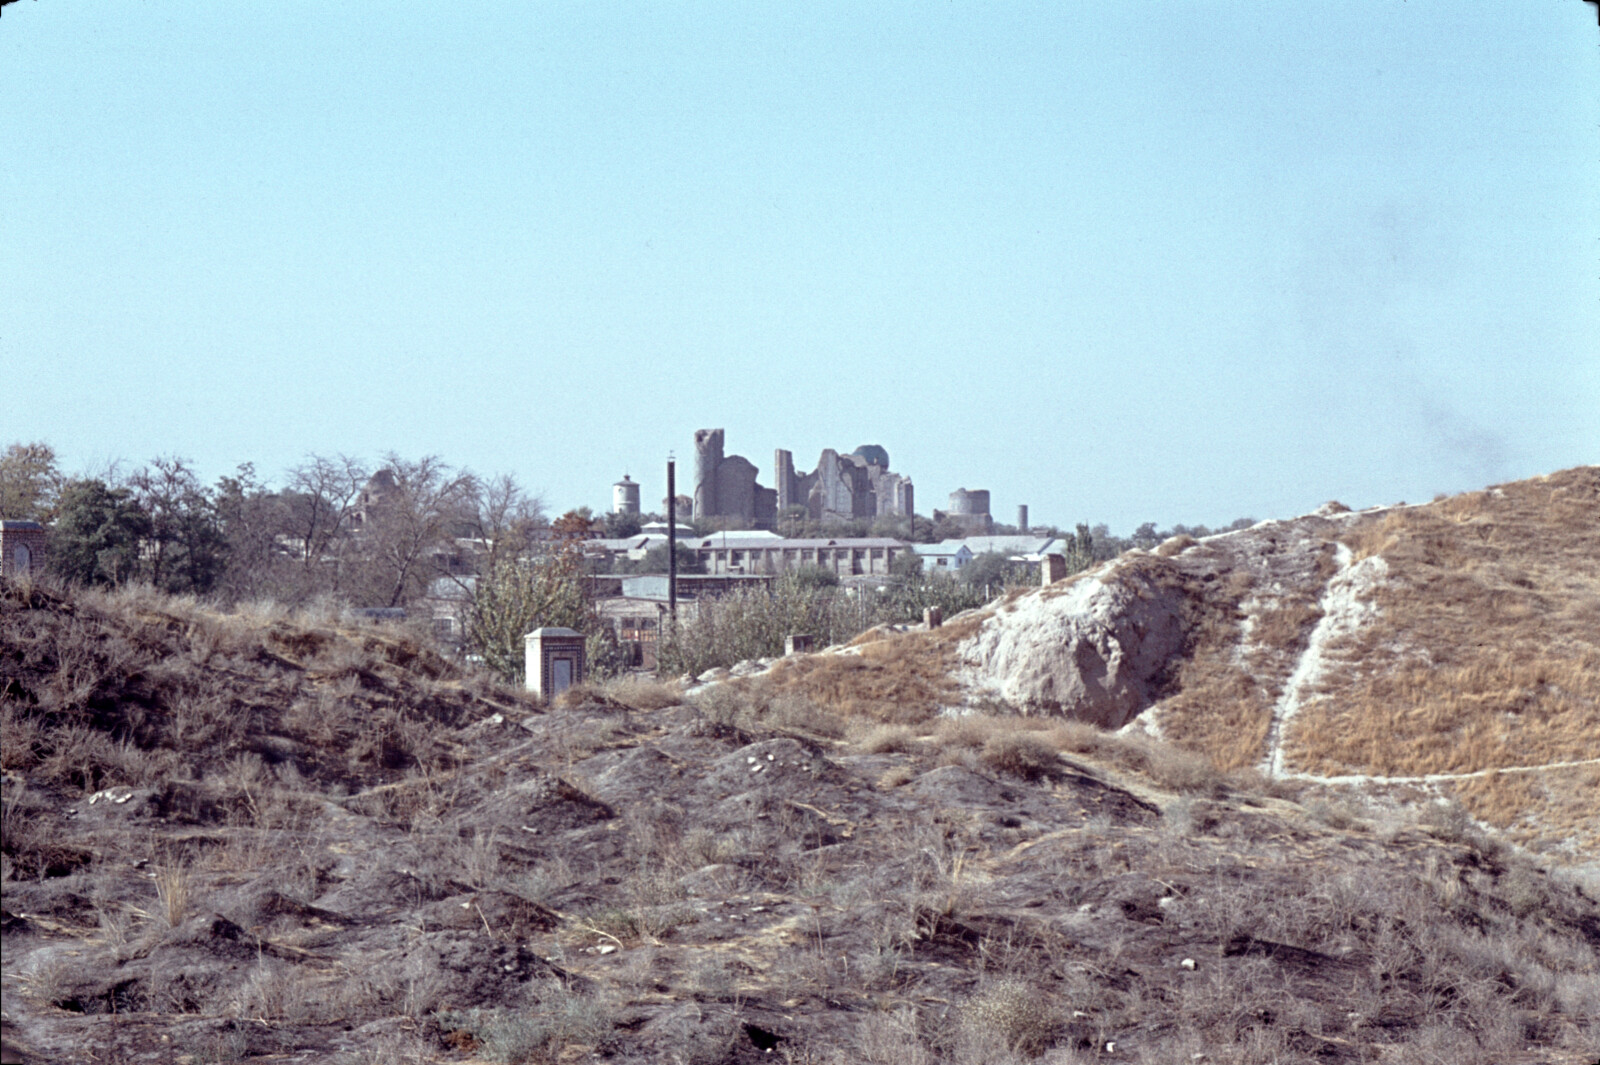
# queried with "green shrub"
point(753, 623)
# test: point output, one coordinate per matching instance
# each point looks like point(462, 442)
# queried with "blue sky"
point(1119, 262)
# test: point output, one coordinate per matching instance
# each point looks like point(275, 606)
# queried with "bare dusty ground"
point(275, 838)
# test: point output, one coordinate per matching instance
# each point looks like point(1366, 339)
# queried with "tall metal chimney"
point(1022, 518)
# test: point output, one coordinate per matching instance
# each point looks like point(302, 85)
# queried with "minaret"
point(707, 457)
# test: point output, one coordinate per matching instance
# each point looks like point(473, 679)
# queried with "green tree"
point(655, 561)
point(991, 569)
point(622, 526)
point(907, 566)
point(185, 550)
point(813, 576)
point(97, 533)
point(517, 596)
point(29, 482)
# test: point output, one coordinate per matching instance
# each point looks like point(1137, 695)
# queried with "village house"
point(947, 556)
point(742, 552)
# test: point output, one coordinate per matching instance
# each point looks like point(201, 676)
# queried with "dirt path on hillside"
point(1435, 778)
point(1345, 608)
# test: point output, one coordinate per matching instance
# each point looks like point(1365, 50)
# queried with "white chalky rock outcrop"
point(1092, 650)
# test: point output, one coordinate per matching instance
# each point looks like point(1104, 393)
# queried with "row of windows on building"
point(792, 556)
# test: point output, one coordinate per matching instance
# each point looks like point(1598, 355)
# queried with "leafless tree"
point(325, 493)
point(184, 551)
point(504, 517)
point(255, 522)
point(410, 513)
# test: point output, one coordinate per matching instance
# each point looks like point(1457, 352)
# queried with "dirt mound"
point(1450, 648)
point(711, 883)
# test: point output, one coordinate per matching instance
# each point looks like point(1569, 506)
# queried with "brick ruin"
point(841, 488)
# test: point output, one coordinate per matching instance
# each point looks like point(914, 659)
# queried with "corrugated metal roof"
point(945, 547)
point(1012, 545)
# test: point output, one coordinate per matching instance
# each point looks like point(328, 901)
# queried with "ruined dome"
point(874, 454)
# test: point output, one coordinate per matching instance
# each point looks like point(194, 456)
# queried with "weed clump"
point(1026, 755)
point(565, 1019)
point(888, 739)
point(758, 706)
point(1007, 1014)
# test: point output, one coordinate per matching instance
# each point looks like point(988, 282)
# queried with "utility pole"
point(672, 543)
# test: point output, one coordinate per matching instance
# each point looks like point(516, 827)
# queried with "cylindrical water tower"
point(625, 496)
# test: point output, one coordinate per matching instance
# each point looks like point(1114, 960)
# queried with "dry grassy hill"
point(260, 837)
point(1449, 649)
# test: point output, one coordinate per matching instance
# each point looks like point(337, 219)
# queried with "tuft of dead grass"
point(1006, 1014)
point(172, 890)
point(1027, 755)
point(887, 739)
point(644, 693)
point(1175, 545)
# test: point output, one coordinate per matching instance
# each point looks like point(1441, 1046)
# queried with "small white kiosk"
point(554, 660)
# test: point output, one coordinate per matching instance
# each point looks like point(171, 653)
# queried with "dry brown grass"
point(173, 891)
point(643, 693)
point(632, 692)
point(1027, 755)
point(886, 739)
point(1221, 712)
point(1552, 804)
point(900, 679)
point(1244, 641)
point(1217, 708)
point(1286, 625)
point(1176, 545)
point(1028, 747)
point(1485, 653)
point(134, 687)
point(758, 705)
